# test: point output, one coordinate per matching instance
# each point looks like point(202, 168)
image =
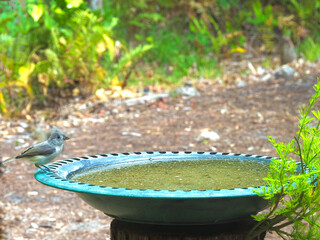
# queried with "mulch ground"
point(243, 117)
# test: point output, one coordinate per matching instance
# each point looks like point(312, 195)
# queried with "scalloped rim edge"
point(56, 165)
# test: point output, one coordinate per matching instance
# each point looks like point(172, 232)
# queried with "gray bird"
point(43, 152)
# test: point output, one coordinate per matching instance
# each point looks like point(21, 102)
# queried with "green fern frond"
point(6, 42)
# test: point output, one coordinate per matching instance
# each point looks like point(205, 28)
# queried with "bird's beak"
point(65, 138)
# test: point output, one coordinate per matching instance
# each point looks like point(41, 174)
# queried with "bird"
point(287, 51)
point(43, 152)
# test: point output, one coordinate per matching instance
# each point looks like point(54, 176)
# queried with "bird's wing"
point(42, 149)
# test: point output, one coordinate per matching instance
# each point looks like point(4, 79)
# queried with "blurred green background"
point(69, 48)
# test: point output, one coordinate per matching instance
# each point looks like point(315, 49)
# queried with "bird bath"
point(161, 207)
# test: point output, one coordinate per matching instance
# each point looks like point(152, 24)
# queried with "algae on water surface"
point(180, 175)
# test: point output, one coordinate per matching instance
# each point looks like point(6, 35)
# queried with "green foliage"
point(57, 44)
point(233, 41)
point(170, 49)
point(165, 26)
point(184, 32)
point(310, 48)
point(262, 15)
point(125, 65)
point(292, 187)
point(15, 55)
point(65, 45)
point(307, 12)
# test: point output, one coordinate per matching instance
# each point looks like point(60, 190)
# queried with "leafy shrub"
point(294, 194)
point(57, 44)
point(63, 44)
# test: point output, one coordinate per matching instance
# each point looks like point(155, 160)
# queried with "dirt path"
point(243, 118)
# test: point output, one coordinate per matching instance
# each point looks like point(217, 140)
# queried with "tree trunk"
point(2, 227)
point(133, 231)
point(95, 4)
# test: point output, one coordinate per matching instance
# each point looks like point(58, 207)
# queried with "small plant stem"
point(317, 127)
point(305, 114)
point(310, 145)
point(278, 227)
point(284, 233)
point(266, 225)
point(300, 154)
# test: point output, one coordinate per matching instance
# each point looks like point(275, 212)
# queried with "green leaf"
point(3, 104)
point(24, 73)
point(73, 3)
point(36, 11)
point(49, 21)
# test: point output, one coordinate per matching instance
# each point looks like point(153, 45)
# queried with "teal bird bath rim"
point(164, 207)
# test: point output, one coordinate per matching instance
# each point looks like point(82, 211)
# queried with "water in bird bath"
point(180, 175)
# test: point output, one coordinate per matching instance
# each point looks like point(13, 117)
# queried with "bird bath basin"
point(160, 207)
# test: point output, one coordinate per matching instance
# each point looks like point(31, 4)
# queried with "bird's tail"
point(7, 160)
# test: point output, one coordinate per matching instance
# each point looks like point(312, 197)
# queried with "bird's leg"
point(43, 168)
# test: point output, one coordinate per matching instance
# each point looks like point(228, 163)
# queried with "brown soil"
point(243, 117)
